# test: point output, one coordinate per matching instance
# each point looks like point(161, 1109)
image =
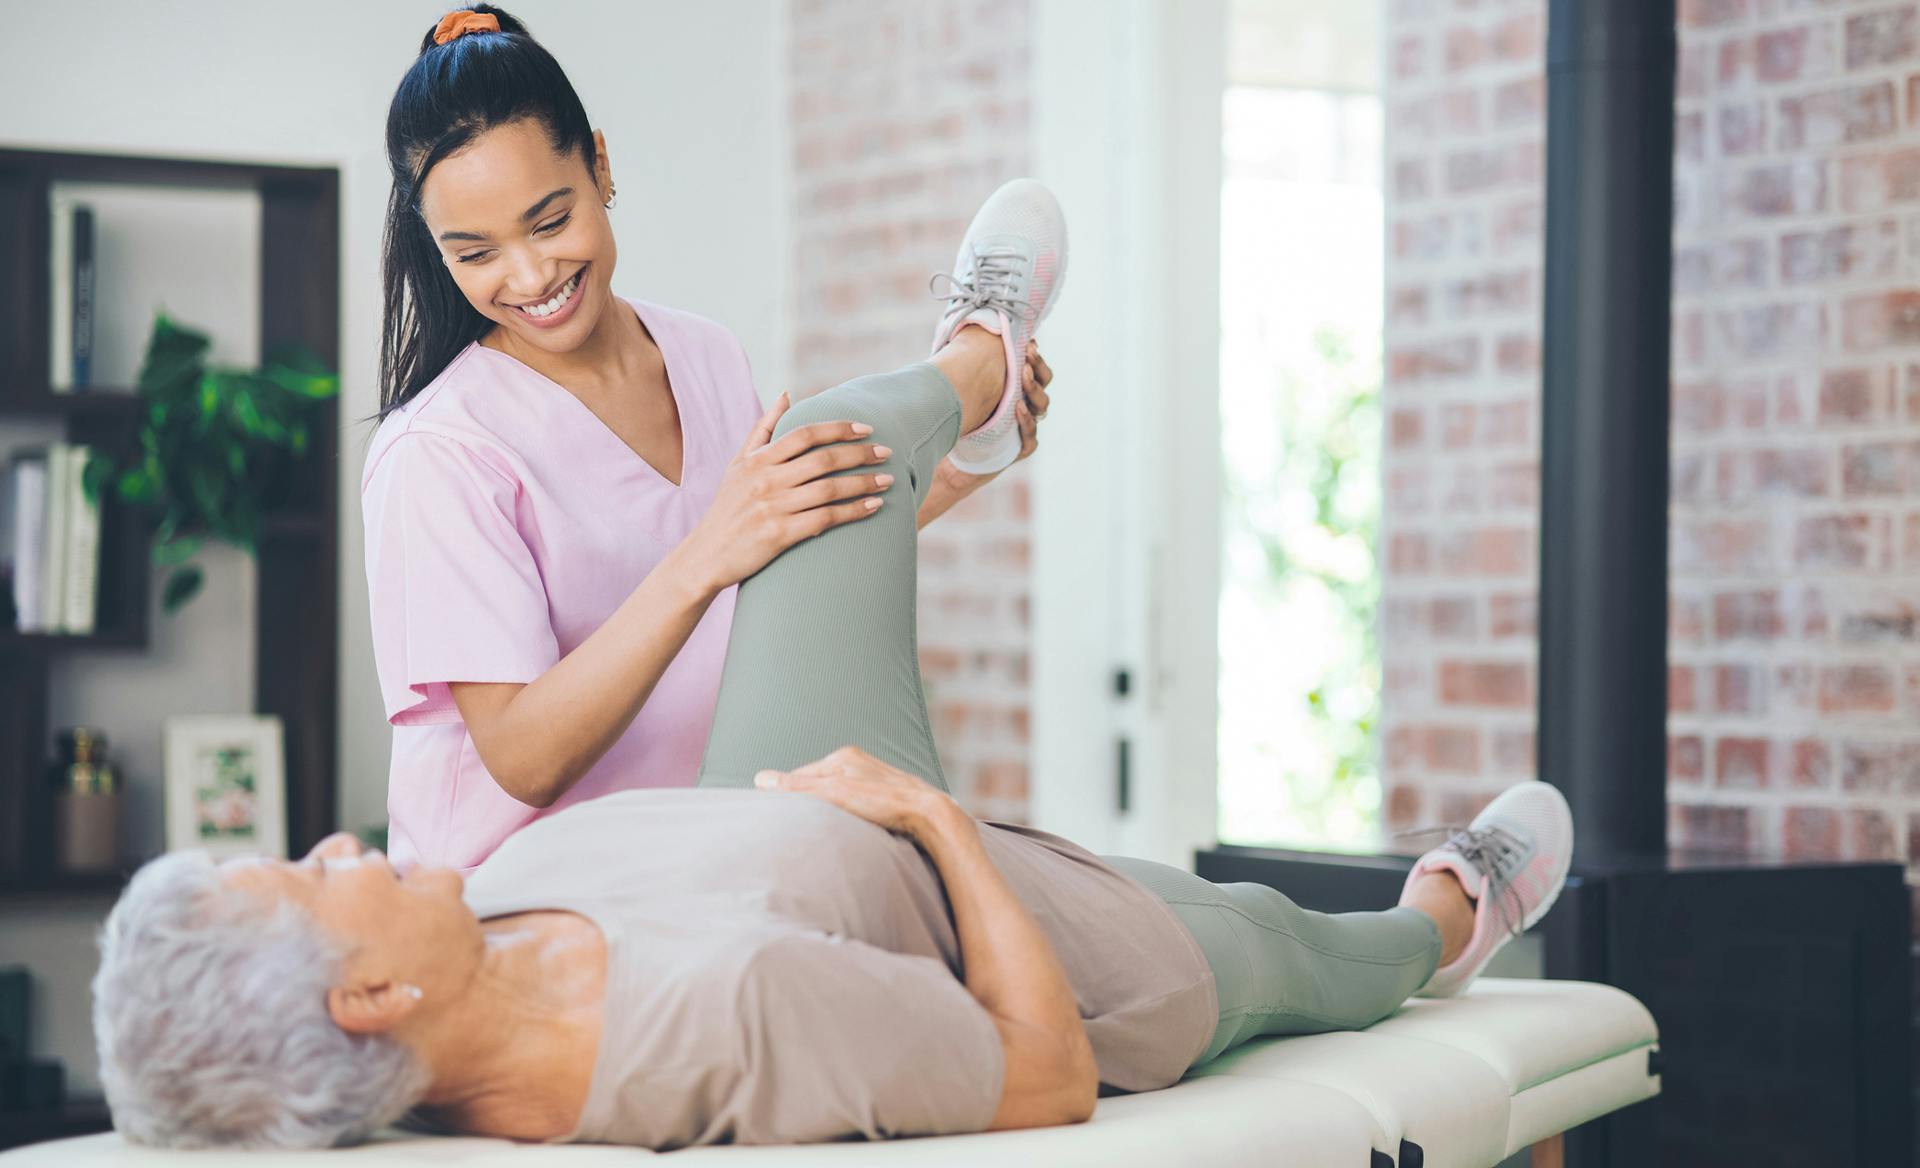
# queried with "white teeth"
point(559, 300)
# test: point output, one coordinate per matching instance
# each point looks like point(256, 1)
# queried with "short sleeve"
point(846, 1038)
point(454, 593)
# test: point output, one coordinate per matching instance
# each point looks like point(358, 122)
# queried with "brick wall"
point(1796, 473)
point(904, 117)
point(1465, 104)
point(1796, 486)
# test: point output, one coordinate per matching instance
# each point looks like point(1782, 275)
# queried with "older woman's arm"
point(1011, 970)
point(1050, 1073)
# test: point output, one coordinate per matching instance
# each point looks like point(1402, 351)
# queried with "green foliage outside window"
point(1314, 514)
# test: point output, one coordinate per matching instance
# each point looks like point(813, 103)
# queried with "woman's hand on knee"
point(777, 492)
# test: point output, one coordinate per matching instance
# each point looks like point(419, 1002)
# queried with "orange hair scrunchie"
point(462, 21)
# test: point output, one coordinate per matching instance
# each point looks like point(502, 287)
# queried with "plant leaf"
point(298, 370)
point(209, 492)
point(181, 587)
point(97, 476)
point(176, 551)
point(215, 441)
point(135, 486)
point(173, 358)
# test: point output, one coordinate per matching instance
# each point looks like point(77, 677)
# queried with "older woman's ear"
point(372, 1007)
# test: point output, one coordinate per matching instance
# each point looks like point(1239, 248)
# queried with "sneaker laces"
point(1498, 854)
point(994, 271)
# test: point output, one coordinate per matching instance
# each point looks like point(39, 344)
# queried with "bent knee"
point(846, 402)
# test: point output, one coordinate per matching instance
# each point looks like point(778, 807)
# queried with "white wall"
point(691, 98)
point(1126, 130)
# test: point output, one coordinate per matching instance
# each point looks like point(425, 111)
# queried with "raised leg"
point(823, 651)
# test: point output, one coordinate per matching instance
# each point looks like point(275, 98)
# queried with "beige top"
point(779, 970)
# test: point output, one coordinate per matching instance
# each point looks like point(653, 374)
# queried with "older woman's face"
point(516, 223)
point(414, 929)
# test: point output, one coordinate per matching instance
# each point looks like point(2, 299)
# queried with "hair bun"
point(462, 21)
point(476, 18)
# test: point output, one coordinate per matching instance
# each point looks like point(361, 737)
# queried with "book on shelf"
point(28, 483)
point(82, 296)
point(55, 541)
point(83, 547)
point(73, 284)
point(53, 574)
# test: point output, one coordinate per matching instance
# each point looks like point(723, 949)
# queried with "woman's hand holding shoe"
point(951, 484)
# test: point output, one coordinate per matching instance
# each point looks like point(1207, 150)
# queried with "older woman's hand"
point(855, 781)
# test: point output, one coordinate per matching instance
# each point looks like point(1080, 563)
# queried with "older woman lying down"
point(843, 953)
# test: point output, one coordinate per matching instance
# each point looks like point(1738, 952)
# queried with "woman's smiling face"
point(525, 233)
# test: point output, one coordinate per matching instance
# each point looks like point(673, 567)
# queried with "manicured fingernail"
point(884, 480)
point(862, 428)
point(882, 451)
point(765, 779)
point(873, 504)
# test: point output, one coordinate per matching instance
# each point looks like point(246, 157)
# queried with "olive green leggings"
point(823, 653)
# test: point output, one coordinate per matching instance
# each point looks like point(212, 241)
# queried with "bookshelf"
point(76, 1117)
point(297, 634)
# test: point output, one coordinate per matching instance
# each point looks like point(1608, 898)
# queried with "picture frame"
point(226, 784)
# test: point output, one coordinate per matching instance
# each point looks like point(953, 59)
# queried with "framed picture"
point(226, 785)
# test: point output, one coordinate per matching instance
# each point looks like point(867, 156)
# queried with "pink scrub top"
point(504, 524)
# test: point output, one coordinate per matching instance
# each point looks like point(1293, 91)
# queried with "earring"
point(613, 196)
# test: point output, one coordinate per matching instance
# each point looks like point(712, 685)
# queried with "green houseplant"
point(216, 446)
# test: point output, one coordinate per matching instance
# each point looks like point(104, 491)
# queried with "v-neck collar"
point(673, 374)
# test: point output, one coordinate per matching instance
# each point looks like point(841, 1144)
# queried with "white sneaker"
point(1004, 279)
point(1513, 861)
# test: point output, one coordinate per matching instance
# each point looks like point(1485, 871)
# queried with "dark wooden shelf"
point(87, 403)
point(293, 522)
point(66, 885)
point(100, 639)
point(296, 635)
point(80, 1116)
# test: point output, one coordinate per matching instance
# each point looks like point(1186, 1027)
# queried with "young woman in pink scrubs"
point(565, 484)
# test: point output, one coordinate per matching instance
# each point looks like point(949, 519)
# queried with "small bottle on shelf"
point(86, 803)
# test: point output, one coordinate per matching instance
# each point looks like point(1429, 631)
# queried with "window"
point(1301, 280)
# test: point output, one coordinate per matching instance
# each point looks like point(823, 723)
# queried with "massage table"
point(1443, 1083)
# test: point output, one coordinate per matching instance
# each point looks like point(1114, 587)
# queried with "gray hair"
point(210, 1016)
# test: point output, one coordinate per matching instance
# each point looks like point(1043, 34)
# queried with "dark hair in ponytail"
point(452, 94)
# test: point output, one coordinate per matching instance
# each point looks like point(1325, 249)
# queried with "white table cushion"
point(1219, 1121)
point(1529, 1031)
point(1470, 1079)
point(1465, 1122)
point(1520, 1059)
point(1592, 1091)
